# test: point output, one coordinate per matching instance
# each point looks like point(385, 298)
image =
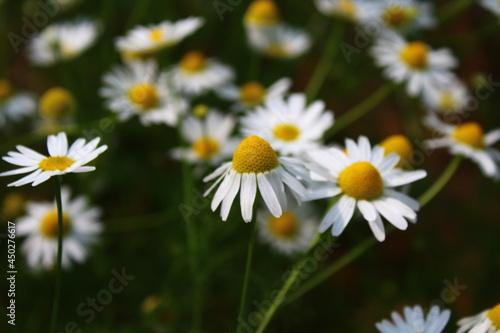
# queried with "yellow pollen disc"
point(13, 204)
point(286, 132)
point(144, 96)
point(400, 145)
point(6, 89)
point(414, 54)
point(151, 303)
point(205, 148)
point(398, 17)
point(470, 134)
point(494, 316)
point(254, 155)
point(446, 101)
point(285, 226)
point(252, 94)
point(262, 12)
point(348, 8)
point(58, 163)
point(200, 111)
point(57, 103)
point(49, 226)
point(156, 34)
point(276, 51)
point(361, 181)
point(193, 62)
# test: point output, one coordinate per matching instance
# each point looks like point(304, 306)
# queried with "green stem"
point(57, 293)
point(360, 110)
point(326, 62)
point(453, 8)
point(351, 255)
point(248, 268)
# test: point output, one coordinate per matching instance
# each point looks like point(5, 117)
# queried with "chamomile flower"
point(196, 74)
point(262, 13)
point(40, 226)
point(144, 41)
point(57, 103)
point(290, 126)
point(492, 5)
point(209, 138)
point(404, 15)
point(61, 160)
point(414, 62)
point(467, 139)
point(256, 165)
point(290, 233)
point(251, 94)
point(139, 88)
point(449, 98)
point(282, 42)
point(14, 105)
point(354, 10)
point(364, 178)
point(400, 145)
point(63, 41)
point(485, 322)
point(415, 321)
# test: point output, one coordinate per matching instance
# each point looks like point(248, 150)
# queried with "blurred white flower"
point(415, 321)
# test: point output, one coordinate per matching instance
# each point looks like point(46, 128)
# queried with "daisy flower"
point(492, 5)
point(283, 42)
point(143, 41)
point(251, 94)
point(261, 19)
point(196, 75)
point(14, 105)
point(208, 138)
point(469, 140)
point(415, 322)
point(449, 98)
point(61, 160)
point(413, 62)
point(404, 14)
point(57, 103)
point(290, 126)
point(400, 145)
point(139, 88)
point(40, 226)
point(63, 41)
point(256, 165)
point(290, 233)
point(364, 178)
point(485, 322)
point(354, 10)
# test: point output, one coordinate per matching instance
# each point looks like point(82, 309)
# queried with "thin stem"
point(360, 110)
point(325, 64)
point(248, 268)
point(57, 293)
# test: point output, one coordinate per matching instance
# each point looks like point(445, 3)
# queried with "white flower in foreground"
point(485, 322)
point(142, 41)
point(290, 233)
point(413, 62)
point(139, 88)
point(354, 10)
point(14, 105)
point(63, 41)
point(415, 322)
point(491, 5)
point(364, 178)
point(209, 138)
point(281, 41)
point(290, 126)
point(404, 15)
point(40, 226)
point(449, 98)
point(196, 75)
point(467, 139)
point(61, 160)
point(256, 165)
point(251, 94)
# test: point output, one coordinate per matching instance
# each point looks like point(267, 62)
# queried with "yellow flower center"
point(361, 181)
point(49, 226)
point(286, 226)
point(6, 89)
point(135, 56)
point(398, 17)
point(156, 34)
point(252, 94)
point(446, 101)
point(494, 316)
point(254, 155)
point(348, 8)
point(206, 148)
point(262, 12)
point(286, 132)
point(414, 54)
point(193, 62)
point(470, 134)
point(57, 103)
point(13, 204)
point(144, 95)
point(200, 111)
point(151, 303)
point(59, 163)
point(276, 51)
point(400, 145)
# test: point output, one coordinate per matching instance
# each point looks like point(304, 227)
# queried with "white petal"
point(247, 195)
point(377, 227)
point(223, 189)
point(367, 209)
point(399, 178)
point(267, 193)
point(231, 194)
